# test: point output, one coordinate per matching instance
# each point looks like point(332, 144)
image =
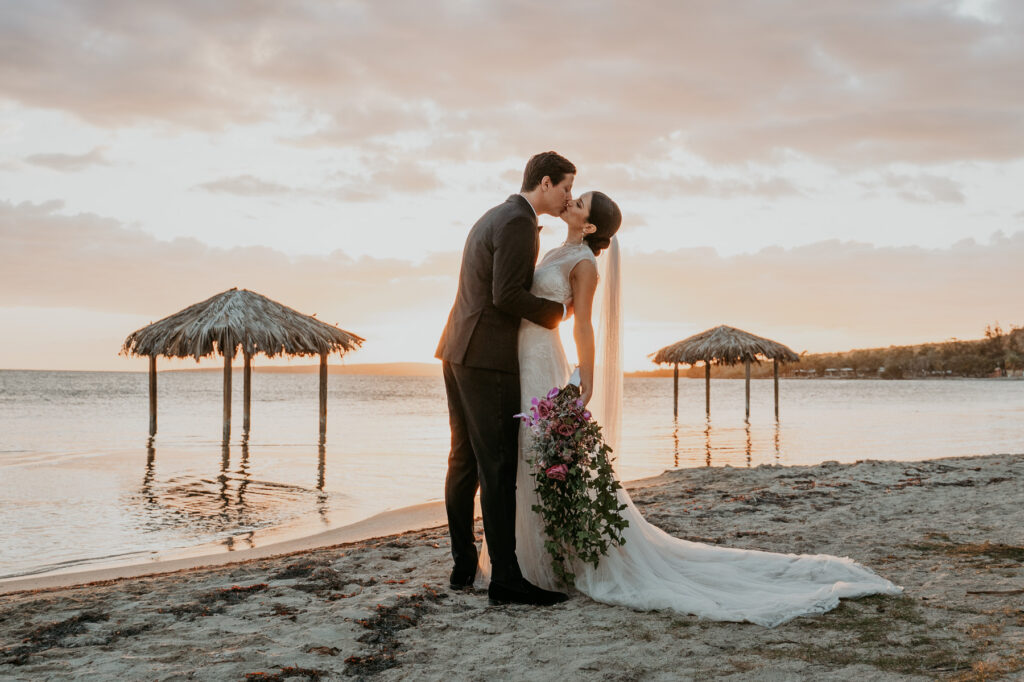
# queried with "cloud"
point(923, 188)
point(850, 292)
point(87, 261)
point(880, 294)
point(245, 186)
point(856, 82)
point(69, 163)
point(382, 179)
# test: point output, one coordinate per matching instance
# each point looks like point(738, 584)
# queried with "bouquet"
point(573, 469)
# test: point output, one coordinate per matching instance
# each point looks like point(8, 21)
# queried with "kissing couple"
point(500, 349)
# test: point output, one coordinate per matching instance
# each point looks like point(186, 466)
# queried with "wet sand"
point(950, 531)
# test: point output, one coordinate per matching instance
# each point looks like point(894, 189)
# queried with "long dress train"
point(652, 569)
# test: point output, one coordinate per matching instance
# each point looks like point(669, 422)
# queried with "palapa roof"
point(238, 318)
point(725, 345)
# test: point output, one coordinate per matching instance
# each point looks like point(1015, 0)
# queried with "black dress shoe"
point(524, 593)
point(461, 580)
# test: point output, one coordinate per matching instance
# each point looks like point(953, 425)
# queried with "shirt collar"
point(536, 218)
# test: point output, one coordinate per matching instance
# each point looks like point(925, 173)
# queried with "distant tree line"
point(998, 354)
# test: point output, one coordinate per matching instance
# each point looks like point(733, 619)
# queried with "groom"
point(479, 354)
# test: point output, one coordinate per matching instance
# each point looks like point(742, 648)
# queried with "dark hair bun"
point(597, 245)
point(606, 217)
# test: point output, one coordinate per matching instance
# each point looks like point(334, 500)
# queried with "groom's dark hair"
point(551, 164)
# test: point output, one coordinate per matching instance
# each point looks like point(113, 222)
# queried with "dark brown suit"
point(479, 350)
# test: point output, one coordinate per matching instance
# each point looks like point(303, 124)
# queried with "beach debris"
point(300, 569)
point(405, 612)
point(214, 602)
point(286, 672)
point(51, 635)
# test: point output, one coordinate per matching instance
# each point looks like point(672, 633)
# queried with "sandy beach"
point(950, 531)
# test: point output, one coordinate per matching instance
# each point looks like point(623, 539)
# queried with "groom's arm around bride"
point(479, 353)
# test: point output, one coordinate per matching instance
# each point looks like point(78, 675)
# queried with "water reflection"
point(778, 440)
point(722, 444)
point(707, 441)
point(675, 442)
point(230, 506)
point(321, 468)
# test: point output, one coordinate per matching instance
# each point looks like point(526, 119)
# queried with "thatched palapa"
point(728, 346)
point(232, 320)
point(724, 345)
point(239, 318)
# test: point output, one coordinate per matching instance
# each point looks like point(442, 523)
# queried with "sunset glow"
point(835, 177)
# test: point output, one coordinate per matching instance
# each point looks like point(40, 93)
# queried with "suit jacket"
point(494, 290)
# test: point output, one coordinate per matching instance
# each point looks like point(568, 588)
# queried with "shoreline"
point(950, 531)
point(409, 519)
point(391, 522)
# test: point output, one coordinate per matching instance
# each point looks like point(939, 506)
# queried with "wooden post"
point(746, 364)
point(707, 389)
point(775, 371)
point(227, 394)
point(323, 395)
point(246, 392)
point(675, 391)
point(152, 395)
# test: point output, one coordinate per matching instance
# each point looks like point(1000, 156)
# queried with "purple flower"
point(534, 401)
point(587, 415)
point(558, 472)
point(579, 402)
point(553, 392)
point(544, 409)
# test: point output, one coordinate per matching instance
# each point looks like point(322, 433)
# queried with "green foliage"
point(579, 504)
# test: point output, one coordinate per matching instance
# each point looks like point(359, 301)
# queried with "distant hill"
point(999, 354)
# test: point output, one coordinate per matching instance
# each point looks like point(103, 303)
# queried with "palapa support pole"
point(775, 371)
point(152, 395)
point(246, 391)
point(227, 394)
point(675, 391)
point(323, 395)
point(746, 364)
point(707, 389)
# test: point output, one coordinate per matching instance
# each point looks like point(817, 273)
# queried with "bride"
point(652, 569)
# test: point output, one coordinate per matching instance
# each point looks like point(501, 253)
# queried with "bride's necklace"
point(569, 243)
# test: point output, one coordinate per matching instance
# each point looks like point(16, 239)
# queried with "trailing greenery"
point(579, 502)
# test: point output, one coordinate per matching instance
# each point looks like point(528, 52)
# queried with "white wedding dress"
point(652, 569)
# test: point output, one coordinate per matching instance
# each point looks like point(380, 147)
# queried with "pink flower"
point(586, 414)
point(544, 409)
point(553, 392)
point(566, 429)
point(558, 472)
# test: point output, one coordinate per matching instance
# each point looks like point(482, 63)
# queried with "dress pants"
point(484, 454)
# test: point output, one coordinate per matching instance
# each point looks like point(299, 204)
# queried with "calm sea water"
point(81, 486)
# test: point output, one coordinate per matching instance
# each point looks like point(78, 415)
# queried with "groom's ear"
point(546, 183)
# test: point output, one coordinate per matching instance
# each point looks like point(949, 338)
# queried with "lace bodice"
point(551, 276)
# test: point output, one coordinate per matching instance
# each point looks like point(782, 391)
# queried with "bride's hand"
point(586, 393)
point(568, 309)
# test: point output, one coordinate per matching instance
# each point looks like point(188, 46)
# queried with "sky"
point(830, 175)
